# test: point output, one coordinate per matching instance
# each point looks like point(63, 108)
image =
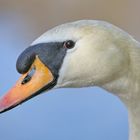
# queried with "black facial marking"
point(25, 60)
point(51, 54)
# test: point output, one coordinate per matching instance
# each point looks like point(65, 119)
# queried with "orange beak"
point(30, 84)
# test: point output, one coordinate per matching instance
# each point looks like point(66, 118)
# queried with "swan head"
point(78, 54)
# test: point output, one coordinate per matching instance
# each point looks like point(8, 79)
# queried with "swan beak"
point(30, 84)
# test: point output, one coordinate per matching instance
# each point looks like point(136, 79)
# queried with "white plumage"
point(105, 56)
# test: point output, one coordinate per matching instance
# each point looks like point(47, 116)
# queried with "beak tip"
point(2, 111)
point(4, 105)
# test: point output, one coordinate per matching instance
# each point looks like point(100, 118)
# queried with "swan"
point(81, 54)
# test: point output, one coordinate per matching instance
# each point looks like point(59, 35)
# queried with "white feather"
point(105, 56)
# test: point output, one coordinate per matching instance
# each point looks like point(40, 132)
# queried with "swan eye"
point(69, 44)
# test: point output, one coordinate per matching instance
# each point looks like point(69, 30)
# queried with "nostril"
point(28, 77)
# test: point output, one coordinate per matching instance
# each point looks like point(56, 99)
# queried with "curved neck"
point(132, 101)
point(134, 120)
point(127, 88)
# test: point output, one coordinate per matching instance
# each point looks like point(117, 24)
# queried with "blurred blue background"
point(64, 114)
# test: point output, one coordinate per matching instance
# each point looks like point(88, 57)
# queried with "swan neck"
point(132, 94)
point(134, 119)
point(127, 88)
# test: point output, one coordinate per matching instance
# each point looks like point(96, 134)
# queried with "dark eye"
point(69, 44)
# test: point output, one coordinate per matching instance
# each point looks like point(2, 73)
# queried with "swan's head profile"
point(77, 54)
